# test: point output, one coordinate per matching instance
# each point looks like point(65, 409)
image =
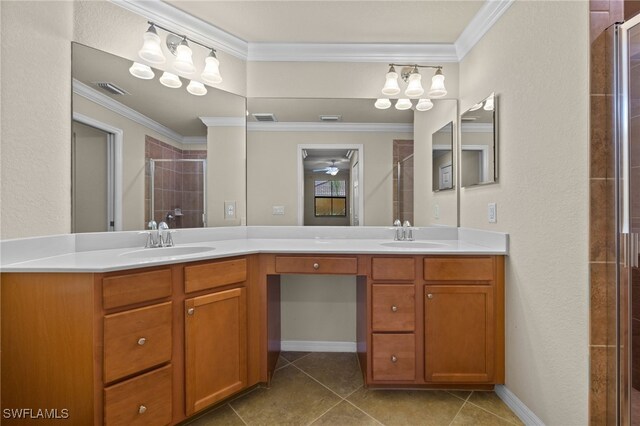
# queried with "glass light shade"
point(151, 49)
point(437, 86)
point(488, 104)
point(184, 62)
point(424, 105)
point(382, 103)
point(332, 171)
point(211, 73)
point(476, 107)
point(141, 71)
point(415, 87)
point(403, 104)
point(170, 80)
point(196, 88)
point(391, 85)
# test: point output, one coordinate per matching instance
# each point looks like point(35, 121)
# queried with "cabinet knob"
point(142, 341)
point(394, 358)
point(190, 311)
point(429, 296)
point(142, 409)
point(394, 308)
point(316, 266)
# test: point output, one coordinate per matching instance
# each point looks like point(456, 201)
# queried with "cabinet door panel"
point(459, 334)
point(215, 347)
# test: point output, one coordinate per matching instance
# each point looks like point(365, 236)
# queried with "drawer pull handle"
point(429, 296)
point(394, 358)
point(142, 341)
point(142, 409)
point(316, 266)
point(190, 311)
point(394, 308)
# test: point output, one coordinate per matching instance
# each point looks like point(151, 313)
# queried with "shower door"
point(628, 220)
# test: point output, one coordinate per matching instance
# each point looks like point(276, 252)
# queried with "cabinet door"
point(459, 334)
point(215, 347)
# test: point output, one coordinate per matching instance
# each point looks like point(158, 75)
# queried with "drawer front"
point(316, 265)
point(394, 357)
point(458, 268)
point(215, 274)
point(393, 268)
point(123, 290)
point(393, 307)
point(136, 340)
point(143, 400)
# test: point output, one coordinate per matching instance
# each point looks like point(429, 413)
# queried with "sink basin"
point(149, 253)
point(413, 245)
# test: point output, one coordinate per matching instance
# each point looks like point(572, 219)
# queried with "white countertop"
point(105, 252)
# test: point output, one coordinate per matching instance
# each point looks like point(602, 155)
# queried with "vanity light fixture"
point(411, 75)
point(382, 103)
point(403, 104)
point(151, 52)
point(488, 104)
point(424, 105)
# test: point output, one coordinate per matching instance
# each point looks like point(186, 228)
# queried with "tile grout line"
point(319, 382)
point(361, 410)
point(320, 416)
point(460, 409)
point(491, 412)
point(239, 416)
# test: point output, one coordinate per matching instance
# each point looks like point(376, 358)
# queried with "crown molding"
point(192, 140)
point(203, 32)
point(224, 121)
point(477, 127)
point(87, 92)
point(280, 126)
point(184, 23)
point(486, 17)
point(352, 52)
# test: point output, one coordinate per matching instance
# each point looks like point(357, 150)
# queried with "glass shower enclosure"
point(177, 192)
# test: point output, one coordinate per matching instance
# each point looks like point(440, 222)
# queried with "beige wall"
point(133, 158)
point(536, 60)
point(272, 173)
point(424, 126)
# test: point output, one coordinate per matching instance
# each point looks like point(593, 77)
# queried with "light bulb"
point(403, 104)
point(424, 105)
point(437, 85)
point(141, 71)
point(184, 62)
point(391, 84)
point(382, 103)
point(170, 80)
point(151, 49)
point(415, 87)
point(211, 73)
point(488, 104)
point(196, 88)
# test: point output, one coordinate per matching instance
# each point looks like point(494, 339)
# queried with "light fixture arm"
point(182, 36)
point(408, 69)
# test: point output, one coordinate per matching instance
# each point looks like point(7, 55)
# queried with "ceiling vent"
point(331, 118)
point(264, 117)
point(112, 88)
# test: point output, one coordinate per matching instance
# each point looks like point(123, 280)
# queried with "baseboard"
point(316, 346)
point(527, 416)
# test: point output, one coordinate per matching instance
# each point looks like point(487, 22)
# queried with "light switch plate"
point(278, 210)
point(229, 210)
point(492, 213)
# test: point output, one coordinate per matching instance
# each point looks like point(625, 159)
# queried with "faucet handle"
point(397, 222)
point(152, 225)
point(149, 242)
point(406, 224)
point(163, 226)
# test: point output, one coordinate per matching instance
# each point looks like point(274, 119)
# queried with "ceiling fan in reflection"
point(330, 170)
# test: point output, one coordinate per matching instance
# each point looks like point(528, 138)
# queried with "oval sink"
point(413, 245)
point(166, 252)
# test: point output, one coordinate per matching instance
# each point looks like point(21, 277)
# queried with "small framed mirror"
point(479, 143)
point(442, 158)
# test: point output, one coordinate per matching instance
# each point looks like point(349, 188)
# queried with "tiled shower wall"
point(403, 200)
point(177, 184)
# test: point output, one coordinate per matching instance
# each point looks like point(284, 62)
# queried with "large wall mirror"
point(143, 151)
point(479, 143)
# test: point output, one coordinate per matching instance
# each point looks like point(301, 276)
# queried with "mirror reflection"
point(442, 158)
point(479, 143)
point(143, 151)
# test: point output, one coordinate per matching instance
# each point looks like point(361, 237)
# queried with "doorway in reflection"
point(403, 180)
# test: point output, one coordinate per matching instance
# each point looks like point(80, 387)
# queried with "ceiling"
point(400, 21)
point(321, 158)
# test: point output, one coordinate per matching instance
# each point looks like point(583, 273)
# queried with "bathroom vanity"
point(116, 337)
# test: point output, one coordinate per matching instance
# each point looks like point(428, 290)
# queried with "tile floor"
point(326, 389)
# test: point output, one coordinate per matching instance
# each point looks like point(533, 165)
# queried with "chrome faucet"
point(165, 239)
point(407, 231)
point(398, 235)
point(158, 235)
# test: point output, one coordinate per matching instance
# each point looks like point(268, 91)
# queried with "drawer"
point(136, 340)
point(123, 290)
point(393, 307)
point(458, 268)
point(394, 357)
point(214, 274)
point(316, 265)
point(393, 268)
point(143, 400)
